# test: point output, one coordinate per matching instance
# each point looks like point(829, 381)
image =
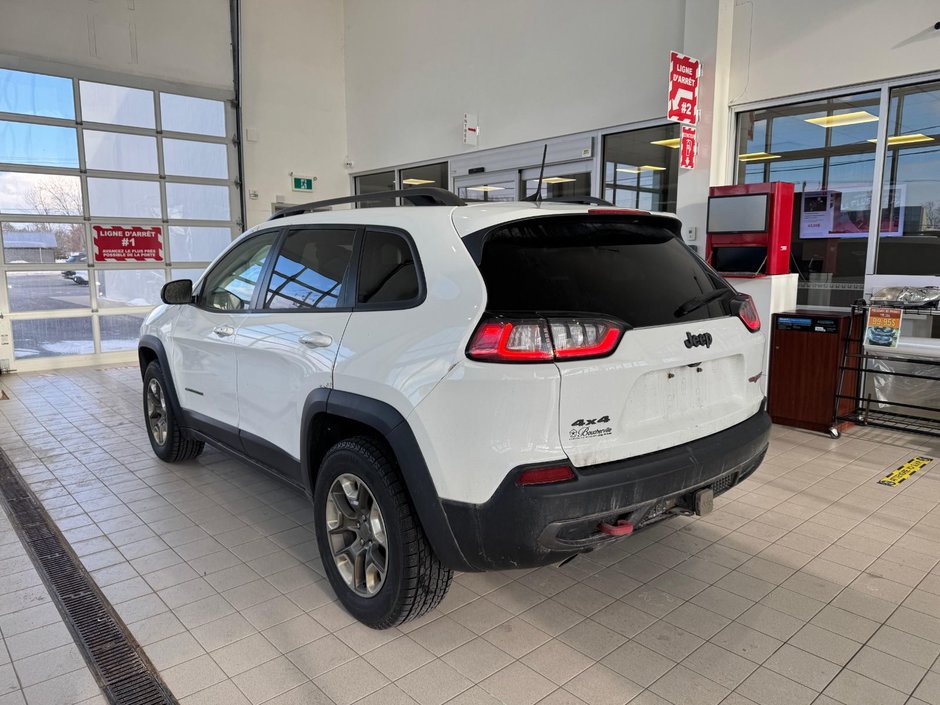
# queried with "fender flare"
point(392, 426)
point(155, 345)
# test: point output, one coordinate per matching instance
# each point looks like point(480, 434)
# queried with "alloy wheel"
point(156, 412)
point(356, 531)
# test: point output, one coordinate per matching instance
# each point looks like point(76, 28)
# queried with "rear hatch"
point(685, 365)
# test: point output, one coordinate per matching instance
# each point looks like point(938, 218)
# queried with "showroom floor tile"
point(810, 583)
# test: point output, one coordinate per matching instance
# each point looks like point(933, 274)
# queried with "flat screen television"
point(739, 260)
point(738, 214)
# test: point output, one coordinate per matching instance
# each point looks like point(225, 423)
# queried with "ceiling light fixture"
point(417, 182)
point(486, 188)
point(757, 157)
point(673, 143)
point(648, 167)
point(843, 119)
point(625, 170)
point(557, 180)
point(907, 139)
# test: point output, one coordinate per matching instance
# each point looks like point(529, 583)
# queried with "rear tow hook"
point(621, 528)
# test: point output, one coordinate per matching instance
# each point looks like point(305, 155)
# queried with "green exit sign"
point(303, 183)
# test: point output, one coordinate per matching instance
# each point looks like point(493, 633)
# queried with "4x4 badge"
point(694, 341)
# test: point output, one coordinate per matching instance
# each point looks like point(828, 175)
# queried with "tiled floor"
point(810, 583)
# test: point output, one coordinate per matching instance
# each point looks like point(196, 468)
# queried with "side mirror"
point(178, 291)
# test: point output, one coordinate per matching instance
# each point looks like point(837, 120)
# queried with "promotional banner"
point(846, 212)
point(684, 74)
point(137, 243)
point(884, 327)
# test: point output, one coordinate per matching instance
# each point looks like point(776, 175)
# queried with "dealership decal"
point(899, 475)
point(117, 243)
point(590, 428)
point(684, 73)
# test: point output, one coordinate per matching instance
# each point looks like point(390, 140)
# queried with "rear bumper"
point(524, 527)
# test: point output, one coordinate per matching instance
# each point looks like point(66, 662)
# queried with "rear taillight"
point(747, 312)
point(543, 339)
point(545, 476)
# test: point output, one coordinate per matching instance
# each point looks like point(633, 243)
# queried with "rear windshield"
point(641, 274)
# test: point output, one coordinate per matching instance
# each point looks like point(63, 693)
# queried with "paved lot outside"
point(810, 583)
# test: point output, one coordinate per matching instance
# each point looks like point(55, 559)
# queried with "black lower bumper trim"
point(524, 527)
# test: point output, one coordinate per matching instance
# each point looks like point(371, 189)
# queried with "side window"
point(231, 283)
point(310, 269)
point(387, 272)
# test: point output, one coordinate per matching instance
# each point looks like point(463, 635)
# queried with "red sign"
point(687, 148)
point(683, 88)
point(115, 243)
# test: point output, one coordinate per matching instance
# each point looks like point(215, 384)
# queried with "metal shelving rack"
point(856, 358)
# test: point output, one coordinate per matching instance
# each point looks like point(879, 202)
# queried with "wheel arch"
point(331, 416)
point(150, 349)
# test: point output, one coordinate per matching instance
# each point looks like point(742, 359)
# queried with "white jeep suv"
point(462, 387)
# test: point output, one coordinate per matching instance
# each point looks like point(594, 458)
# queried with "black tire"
point(415, 582)
point(176, 446)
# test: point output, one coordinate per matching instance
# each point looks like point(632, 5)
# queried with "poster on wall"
point(884, 327)
point(136, 243)
point(684, 73)
point(846, 212)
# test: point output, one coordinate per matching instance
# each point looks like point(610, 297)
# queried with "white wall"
point(783, 48)
point(527, 69)
point(293, 100)
point(174, 40)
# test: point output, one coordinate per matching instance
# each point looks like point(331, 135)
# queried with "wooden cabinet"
point(805, 355)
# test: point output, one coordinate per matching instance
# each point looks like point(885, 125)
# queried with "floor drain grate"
point(122, 670)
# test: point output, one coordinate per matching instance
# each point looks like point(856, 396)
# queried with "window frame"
point(419, 272)
point(352, 272)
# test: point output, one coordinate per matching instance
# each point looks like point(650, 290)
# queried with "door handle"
point(223, 331)
point(316, 340)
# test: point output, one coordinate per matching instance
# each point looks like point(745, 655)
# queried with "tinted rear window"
point(641, 274)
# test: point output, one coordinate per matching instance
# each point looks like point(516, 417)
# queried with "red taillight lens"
point(543, 340)
point(747, 312)
point(511, 341)
point(545, 476)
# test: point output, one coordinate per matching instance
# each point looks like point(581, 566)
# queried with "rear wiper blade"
point(702, 299)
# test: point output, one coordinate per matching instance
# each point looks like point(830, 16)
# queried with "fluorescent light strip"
point(674, 143)
point(637, 170)
point(907, 139)
point(417, 182)
point(843, 119)
point(757, 157)
point(486, 188)
point(557, 180)
point(647, 167)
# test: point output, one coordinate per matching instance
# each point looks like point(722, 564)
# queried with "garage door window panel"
point(47, 290)
point(197, 244)
point(36, 94)
point(311, 270)
point(117, 105)
point(124, 198)
point(230, 286)
point(115, 151)
point(120, 332)
point(207, 160)
point(197, 202)
point(38, 243)
point(182, 113)
point(129, 287)
point(39, 194)
point(38, 145)
point(52, 337)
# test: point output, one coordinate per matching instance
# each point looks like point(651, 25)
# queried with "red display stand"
point(752, 235)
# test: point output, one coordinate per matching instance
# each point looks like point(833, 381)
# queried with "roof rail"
point(423, 196)
point(583, 200)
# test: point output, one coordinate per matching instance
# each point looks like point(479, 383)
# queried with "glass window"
point(116, 105)
point(826, 148)
point(231, 283)
point(52, 337)
point(183, 113)
point(909, 231)
point(120, 332)
point(494, 190)
point(42, 145)
point(36, 94)
point(47, 290)
point(197, 202)
point(561, 185)
point(375, 183)
point(40, 194)
point(43, 242)
point(129, 287)
point(190, 158)
point(186, 273)
point(387, 272)
point(113, 151)
point(124, 198)
point(310, 269)
point(427, 175)
point(192, 244)
point(641, 168)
